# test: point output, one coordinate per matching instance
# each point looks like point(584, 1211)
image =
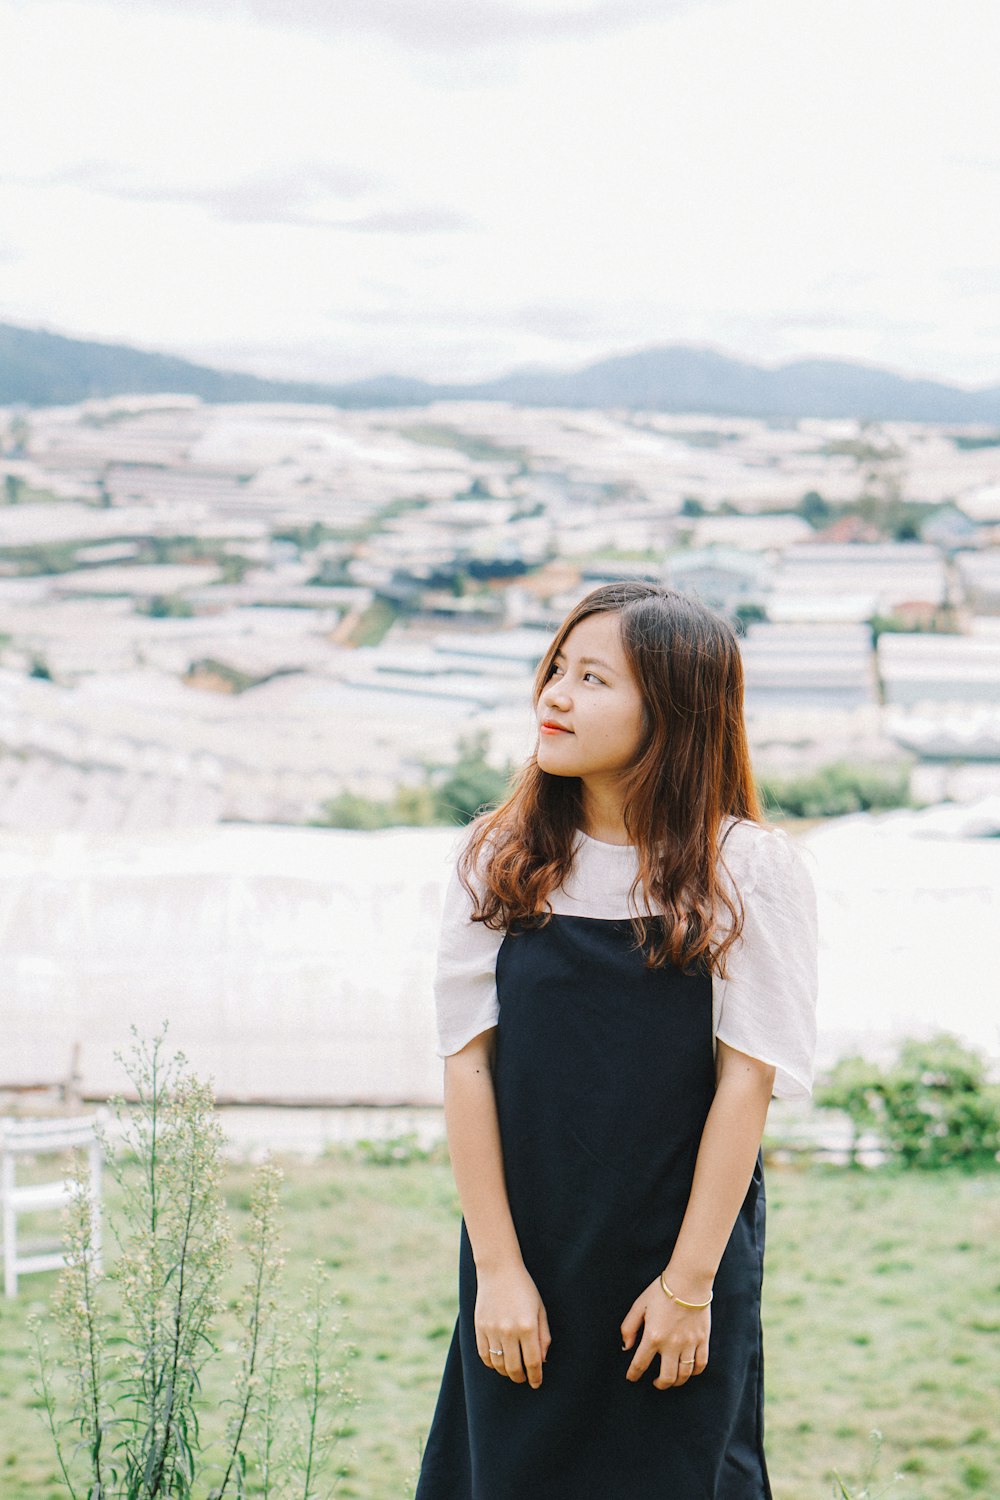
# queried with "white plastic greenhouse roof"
point(296, 964)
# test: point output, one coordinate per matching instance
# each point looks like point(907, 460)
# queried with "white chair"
point(30, 1138)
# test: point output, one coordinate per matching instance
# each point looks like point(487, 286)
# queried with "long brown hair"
point(692, 769)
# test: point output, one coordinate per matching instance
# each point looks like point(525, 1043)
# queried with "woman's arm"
point(470, 1113)
point(509, 1311)
point(726, 1158)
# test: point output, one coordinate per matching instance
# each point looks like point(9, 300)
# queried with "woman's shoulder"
point(472, 849)
point(744, 837)
point(751, 851)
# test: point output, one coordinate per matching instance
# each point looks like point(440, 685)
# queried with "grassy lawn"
point(882, 1311)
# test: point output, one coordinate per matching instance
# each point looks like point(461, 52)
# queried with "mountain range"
point(38, 368)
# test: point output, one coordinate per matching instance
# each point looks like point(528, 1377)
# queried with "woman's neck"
point(603, 813)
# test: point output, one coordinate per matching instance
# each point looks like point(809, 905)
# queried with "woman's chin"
point(554, 765)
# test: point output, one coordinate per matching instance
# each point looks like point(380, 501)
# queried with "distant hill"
point(683, 379)
point(46, 369)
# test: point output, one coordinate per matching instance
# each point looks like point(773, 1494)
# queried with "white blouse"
point(767, 1006)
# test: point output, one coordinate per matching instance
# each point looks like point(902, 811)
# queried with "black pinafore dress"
point(604, 1075)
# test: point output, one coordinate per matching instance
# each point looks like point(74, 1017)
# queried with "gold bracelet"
point(680, 1300)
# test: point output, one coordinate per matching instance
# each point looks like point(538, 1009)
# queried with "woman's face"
point(590, 711)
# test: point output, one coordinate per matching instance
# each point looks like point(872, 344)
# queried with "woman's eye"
point(594, 677)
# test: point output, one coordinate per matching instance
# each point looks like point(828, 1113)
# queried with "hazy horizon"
point(240, 362)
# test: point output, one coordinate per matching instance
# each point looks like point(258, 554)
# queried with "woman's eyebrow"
point(587, 661)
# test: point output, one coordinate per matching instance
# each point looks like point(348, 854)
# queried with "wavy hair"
point(691, 771)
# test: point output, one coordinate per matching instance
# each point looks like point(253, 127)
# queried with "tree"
point(750, 613)
point(813, 508)
point(472, 783)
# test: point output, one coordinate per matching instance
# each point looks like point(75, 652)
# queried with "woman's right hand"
point(510, 1316)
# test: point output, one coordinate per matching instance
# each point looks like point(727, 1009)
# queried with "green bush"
point(120, 1388)
point(834, 790)
point(166, 607)
point(854, 1087)
point(409, 807)
point(470, 784)
point(933, 1107)
point(397, 1151)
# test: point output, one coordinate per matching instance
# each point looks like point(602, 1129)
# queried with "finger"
point(544, 1334)
point(495, 1358)
point(531, 1357)
point(668, 1372)
point(513, 1366)
point(632, 1322)
point(700, 1359)
point(686, 1366)
point(483, 1347)
point(640, 1360)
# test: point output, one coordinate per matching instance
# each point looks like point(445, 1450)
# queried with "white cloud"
point(301, 196)
point(437, 26)
point(279, 196)
point(416, 220)
point(780, 177)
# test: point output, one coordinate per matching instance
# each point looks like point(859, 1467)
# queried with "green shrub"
point(471, 784)
point(396, 1151)
point(837, 789)
point(409, 807)
point(854, 1086)
point(123, 1400)
point(934, 1107)
point(468, 785)
point(166, 607)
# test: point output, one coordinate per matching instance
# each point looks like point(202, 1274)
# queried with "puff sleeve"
point(767, 1006)
point(465, 986)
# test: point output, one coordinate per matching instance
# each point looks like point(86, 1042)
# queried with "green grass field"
point(882, 1312)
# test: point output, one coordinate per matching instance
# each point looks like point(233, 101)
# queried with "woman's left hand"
point(678, 1334)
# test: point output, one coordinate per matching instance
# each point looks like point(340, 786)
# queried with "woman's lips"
point(549, 728)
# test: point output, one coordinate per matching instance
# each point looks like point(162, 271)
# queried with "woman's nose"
point(555, 693)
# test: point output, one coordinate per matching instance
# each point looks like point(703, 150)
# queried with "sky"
point(455, 188)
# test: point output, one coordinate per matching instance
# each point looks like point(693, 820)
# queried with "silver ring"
point(497, 1351)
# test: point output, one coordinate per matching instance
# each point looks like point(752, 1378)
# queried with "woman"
point(626, 975)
